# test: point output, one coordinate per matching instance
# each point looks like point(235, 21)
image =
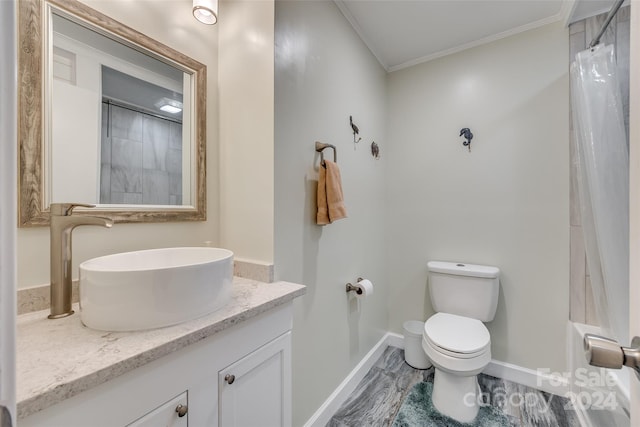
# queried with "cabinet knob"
point(182, 410)
point(229, 378)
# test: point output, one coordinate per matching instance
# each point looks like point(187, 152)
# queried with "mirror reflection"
point(121, 113)
point(108, 116)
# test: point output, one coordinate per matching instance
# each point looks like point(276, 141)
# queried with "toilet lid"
point(457, 333)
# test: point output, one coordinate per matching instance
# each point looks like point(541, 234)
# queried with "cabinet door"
point(256, 390)
point(170, 414)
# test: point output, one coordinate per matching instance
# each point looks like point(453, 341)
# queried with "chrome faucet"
point(62, 224)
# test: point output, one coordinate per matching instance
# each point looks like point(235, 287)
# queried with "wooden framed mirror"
point(106, 116)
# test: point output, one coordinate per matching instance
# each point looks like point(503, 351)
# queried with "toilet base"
point(455, 396)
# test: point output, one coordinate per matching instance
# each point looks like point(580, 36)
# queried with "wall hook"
point(375, 150)
point(466, 133)
point(355, 129)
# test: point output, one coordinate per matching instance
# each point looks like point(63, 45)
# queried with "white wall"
point(172, 23)
point(75, 128)
point(505, 203)
point(246, 128)
point(634, 199)
point(324, 74)
point(8, 215)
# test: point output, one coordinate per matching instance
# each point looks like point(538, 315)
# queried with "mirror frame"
point(31, 102)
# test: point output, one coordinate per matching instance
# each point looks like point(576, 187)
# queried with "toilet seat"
point(457, 336)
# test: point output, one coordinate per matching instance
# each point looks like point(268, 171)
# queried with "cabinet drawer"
point(170, 414)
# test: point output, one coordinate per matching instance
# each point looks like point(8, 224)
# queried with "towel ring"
point(320, 146)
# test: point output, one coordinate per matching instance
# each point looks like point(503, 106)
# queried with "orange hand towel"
point(330, 199)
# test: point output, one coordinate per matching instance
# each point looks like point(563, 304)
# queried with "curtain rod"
point(607, 21)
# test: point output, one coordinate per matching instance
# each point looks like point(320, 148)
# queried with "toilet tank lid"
point(463, 269)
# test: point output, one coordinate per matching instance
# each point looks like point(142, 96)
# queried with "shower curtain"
point(603, 183)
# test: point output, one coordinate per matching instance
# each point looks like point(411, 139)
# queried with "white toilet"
point(455, 339)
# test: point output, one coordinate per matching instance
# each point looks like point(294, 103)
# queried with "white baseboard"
point(539, 380)
point(322, 416)
point(507, 371)
point(394, 340)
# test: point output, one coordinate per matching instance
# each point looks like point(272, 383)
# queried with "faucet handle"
point(65, 209)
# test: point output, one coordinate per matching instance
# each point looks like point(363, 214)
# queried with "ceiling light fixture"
point(206, 11)
point(169, 105)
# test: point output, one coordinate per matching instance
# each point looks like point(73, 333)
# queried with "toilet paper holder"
point(356, 289)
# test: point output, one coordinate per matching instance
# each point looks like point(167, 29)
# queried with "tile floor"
point(380, 394)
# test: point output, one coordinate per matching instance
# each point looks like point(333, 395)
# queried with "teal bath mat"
point(418, 411)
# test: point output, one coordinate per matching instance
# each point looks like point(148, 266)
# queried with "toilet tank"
point(464, 289)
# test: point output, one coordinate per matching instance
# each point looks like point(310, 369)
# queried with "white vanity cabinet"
point(174, 413)
point(255, 391)
point(256, 352)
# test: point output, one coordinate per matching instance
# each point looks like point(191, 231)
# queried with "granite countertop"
point(59, 359)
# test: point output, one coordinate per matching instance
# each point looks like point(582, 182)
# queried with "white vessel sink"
point(154, 288)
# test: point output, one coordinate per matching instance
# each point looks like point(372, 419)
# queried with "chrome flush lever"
point(607, 353)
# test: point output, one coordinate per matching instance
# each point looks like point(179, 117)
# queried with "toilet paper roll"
point(366, 287)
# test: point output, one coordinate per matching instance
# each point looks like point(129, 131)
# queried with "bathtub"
point(600, 396)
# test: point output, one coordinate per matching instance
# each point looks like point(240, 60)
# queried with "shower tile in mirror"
point(155, 187)
point(125, 124)
point(155, 142)
point(175, 135)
